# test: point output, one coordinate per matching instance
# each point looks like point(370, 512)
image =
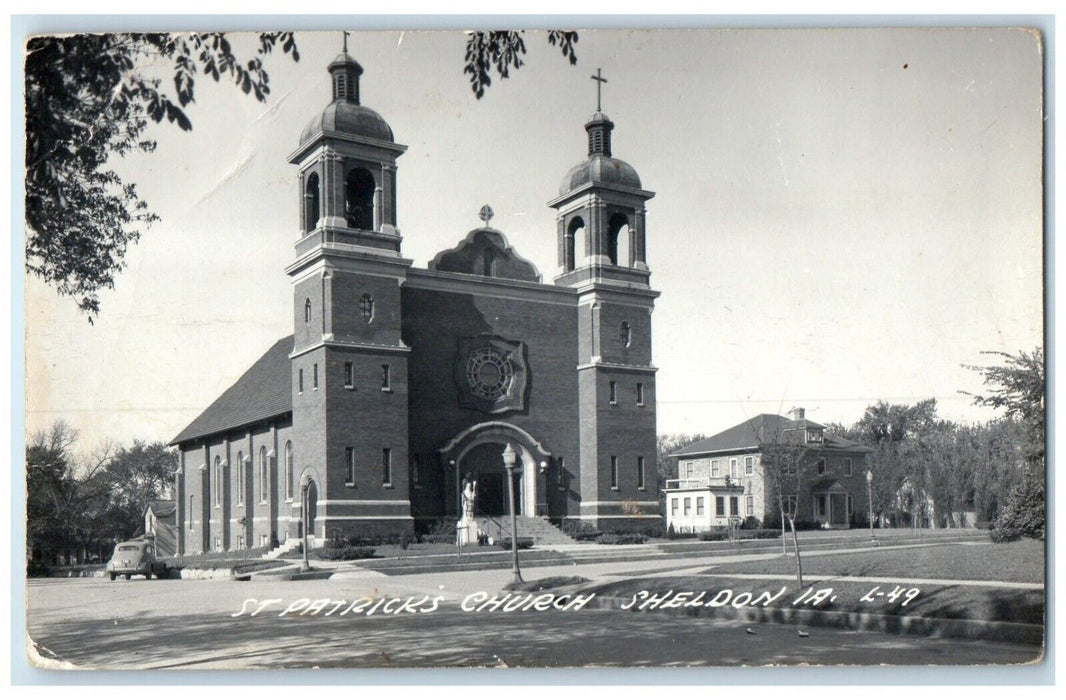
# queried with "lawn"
point(1021, 561)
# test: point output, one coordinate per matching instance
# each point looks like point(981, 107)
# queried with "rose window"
point(490, 373)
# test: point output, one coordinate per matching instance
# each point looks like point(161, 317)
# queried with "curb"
point(1016, 632)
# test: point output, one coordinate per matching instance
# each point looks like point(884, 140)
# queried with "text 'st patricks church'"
point(399, 382)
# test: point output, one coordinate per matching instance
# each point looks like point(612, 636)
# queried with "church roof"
point(469, 257)
point(263, 392)
point(749, 434)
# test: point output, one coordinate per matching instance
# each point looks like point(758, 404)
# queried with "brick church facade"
point(398, 382)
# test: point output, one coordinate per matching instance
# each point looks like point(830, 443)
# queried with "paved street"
point(190, 624)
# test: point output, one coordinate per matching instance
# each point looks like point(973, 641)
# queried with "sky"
point(841, 216)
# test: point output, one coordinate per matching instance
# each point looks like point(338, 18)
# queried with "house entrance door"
point(838, 509)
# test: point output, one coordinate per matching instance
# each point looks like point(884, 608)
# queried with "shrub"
point(1023, 511)
point(346, 553)
point(576, 527)
point(714, 536)
point(439, 538)
point(719, 535)
point(588, 536)
point(1005, 534)
point(751, 523)
point(622, 538)
point(523, 542)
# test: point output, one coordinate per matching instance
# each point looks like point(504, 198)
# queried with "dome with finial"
point(344, 115)
point(600, 168)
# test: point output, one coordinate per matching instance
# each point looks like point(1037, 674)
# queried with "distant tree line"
point(78, 505)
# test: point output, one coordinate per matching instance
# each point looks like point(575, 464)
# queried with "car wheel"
point(112, 575)
point(127, 576)
point(164, 573)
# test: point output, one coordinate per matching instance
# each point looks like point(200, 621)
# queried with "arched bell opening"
point(359, 188)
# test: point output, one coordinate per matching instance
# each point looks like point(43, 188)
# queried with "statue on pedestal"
point(469, 497)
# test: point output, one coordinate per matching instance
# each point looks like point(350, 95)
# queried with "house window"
point(749, 466)
point(217, 488)
point(241, 481)
point(349, 466)
point(561, 475)
point(192, 507)
point(416, 471)
point(690, 469)
point(300, 381)
point(699, 505)
point(714, 467)
point(366, 308)
point(349, 375)
point(734, 505)
point(820, 466)
point(307, 311)
point(314, 377)
point(673, 508)
point(733, 473)
point(614, 472)
point(614, 393)
point(640, 394)
point(846, 463)
point(386, 378)
point(688, 506)
point(749, 505)
point(640, 473)
point(814, 436)
point(386, 467)
point(288, 471)
point(264, 476)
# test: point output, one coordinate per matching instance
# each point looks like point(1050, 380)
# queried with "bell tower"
point(602, 256)
point(349, 363)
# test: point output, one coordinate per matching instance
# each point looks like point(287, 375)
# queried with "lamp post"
point(303, 516)
point(509, 465)
point(870, 493)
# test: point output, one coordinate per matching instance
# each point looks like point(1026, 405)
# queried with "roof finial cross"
point(346, 41)
point(600, 80)
point(486, 214)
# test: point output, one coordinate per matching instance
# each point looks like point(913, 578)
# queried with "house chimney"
point(796, 413)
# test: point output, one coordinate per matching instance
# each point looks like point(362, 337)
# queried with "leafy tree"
point(1018, 386)
point(137, 475)
point(502, 51)
point(89, 98)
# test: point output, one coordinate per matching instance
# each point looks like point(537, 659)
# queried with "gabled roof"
point(162, 509)
point(763, 427)
point(263, 392)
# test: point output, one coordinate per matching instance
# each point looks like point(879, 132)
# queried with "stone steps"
point(539, 528)
point(287, 546)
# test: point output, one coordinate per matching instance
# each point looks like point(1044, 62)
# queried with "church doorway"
point(484, 463)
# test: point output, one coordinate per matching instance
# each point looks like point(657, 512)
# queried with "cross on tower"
point(486, 214)
point(600, 80)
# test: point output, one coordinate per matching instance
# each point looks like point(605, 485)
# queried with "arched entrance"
point(308, 502)
point(478, 452)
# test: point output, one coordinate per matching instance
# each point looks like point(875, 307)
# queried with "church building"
point(398, 382)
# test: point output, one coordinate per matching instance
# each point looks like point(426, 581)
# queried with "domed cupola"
point(344, 115)
point(347, 159)
point(601, 211)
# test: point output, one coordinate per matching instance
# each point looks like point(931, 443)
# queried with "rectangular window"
point(300, 381)
point(749, 466)
point(673, 506)
point(240, 482)
point(561, 475)
point(264, 479)
point(614, 472)
point(386, 378)
point(734, 505)
point(733, 473)
point(640, 394)
point(349, 375)
point(820, 465)
point(640, 473)
point(416, 471)
point(819, 506)
point(749, 505)
point(719, 505)
point(614, 393)
point(349, 466)
point(386, 467)
point(846, 462)
point(814, 436)
point(714, 468)
point(314, 377)
point(688, 506)
point(699, 505)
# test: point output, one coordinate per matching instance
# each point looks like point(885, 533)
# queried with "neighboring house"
point(722, 477)
point(160, 521)
point(398, 382)
point(914, 507)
